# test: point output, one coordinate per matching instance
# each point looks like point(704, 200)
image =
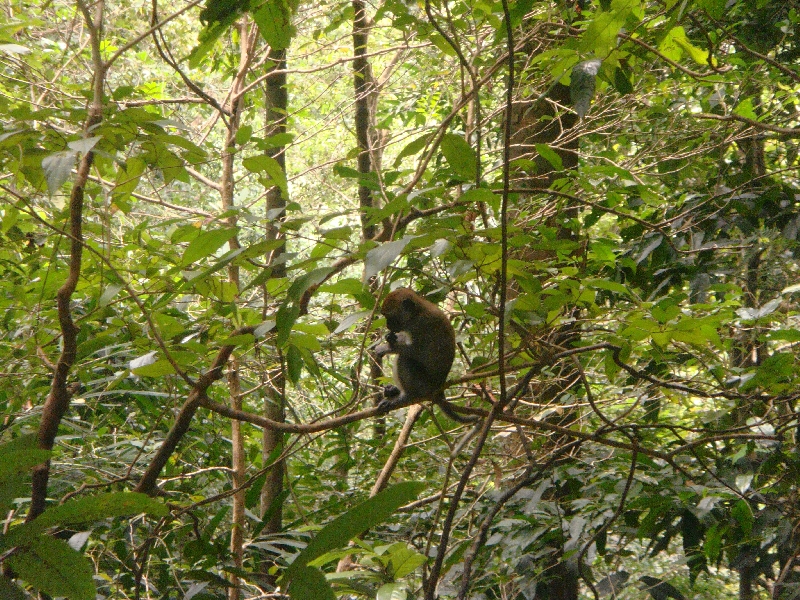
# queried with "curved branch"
point(58, 400)
point(147, 484)
point(791, 132)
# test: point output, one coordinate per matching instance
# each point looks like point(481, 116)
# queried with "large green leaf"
point(207, 243)
point(267, 164)
point(50, 565)
point(460, 156)
point(274, 20)
point(355, 521)
point(309, 583)
point(20, 455)
point(382, 256)
point(92, 508)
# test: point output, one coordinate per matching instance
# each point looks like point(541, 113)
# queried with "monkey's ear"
point(409, 305)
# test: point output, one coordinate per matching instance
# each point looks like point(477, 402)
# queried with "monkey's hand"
point(391, 391)
point(387, 346)
point(398, 338)
point(392, 396)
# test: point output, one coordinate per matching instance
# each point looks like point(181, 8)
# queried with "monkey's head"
point(400, 307)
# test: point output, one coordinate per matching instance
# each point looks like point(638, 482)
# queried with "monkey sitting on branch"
point(424, 344)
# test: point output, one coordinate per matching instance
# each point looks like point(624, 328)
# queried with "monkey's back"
point(433, 342)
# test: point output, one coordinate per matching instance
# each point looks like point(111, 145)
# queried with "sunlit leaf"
point(460, 155)
point(382, 256)
point(207, 243)
point(58, 168)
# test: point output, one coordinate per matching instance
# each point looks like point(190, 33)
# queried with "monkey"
point(424, 344)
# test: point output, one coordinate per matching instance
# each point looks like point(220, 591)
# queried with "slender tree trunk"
point(365, 94)
point(363, 83)
point(58, 400)
point(227, 184)
point(277, 106)
point(239, 475)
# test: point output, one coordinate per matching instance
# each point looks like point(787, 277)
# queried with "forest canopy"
point(204, 204)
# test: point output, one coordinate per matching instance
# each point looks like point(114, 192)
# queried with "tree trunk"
point(277, 105)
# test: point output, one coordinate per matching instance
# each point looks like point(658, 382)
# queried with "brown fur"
point(424, 342)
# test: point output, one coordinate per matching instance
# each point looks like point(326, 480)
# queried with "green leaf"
point(547, 153)
point(621, 82)
point(243, 134)
point(460, 156)
point(244, 339)
point(714, 8)
point(675, 44)
point(746, 109)
point(13, 487)
point(392, 591)
point(58, 168)
point(294, 363)
point(358, 519)
point(403, 561)
point(382, 256)
point(20, 455)
point(219, 15)
point(302, 283)
point(605, 284)
point(158, 368)
point(773, 372)
point(484, 195)
point(284, 319)
point(207, 243)
point(267, 164)
point(744, 517)
point(442, 44)
point(345, 171)
point(412, 148)
point(218, 11)
point(600, 36)
point(308, 583)
point(712, 547)
point(51, 566)
point(101, 506)
point(274, 20)
point(279, 140)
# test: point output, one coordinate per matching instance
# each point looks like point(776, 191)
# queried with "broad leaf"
point(307, 583)
point(460, 156)
point(381, 257)
point(207, 243)
point(58, 168)
point(355, 521)
point(51, 566)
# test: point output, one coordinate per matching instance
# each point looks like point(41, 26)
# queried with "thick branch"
point(57, 403)
point(147, 484)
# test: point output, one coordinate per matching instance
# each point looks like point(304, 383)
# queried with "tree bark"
point(272, 442)
point(58, 400)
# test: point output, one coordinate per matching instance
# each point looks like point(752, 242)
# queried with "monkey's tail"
point(448, 409)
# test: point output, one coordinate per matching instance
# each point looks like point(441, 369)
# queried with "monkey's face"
point(399, 308)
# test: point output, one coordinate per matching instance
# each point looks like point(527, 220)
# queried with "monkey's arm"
point(392, 343)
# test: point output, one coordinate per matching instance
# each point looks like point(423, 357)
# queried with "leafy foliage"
point(629, 214)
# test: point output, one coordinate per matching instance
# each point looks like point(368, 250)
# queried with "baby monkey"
point(424, 344)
